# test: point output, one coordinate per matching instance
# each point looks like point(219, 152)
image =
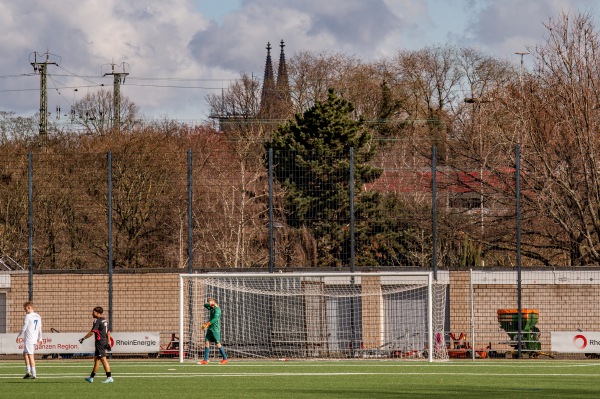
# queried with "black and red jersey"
point(100, 330)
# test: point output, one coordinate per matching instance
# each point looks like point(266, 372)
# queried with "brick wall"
point(372, 313)
point(150, 302)
point(141, 302)
point(565, 301)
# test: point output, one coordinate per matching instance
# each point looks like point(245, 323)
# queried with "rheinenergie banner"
point(131, 342)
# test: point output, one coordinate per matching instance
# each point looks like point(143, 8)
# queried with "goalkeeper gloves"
point(81, 340)
point(107, 347)
point(205, 326)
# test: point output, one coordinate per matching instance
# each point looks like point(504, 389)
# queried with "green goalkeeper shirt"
point(214, 317)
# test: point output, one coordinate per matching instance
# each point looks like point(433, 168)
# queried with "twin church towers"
point(275, 100)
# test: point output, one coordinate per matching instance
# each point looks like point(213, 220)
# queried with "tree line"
point(474, 108)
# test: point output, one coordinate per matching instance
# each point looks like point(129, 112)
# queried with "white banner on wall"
point(134, 342)
point(575, 342)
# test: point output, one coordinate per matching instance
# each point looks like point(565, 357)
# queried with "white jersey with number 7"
point(32, 328)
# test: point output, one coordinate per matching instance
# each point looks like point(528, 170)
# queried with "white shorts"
point(29, 347)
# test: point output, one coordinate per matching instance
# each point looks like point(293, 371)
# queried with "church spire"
point(283, 86)
point(275, 102)
point(268, 89)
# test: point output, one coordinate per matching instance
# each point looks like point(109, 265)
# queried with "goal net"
point(316, 315)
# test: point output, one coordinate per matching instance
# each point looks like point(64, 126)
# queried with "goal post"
point(374, 315)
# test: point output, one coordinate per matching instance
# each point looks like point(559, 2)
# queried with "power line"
point(16, 90)
point(36, 89)
point(188, 79)
point(175, 87)
point(77, 76)
point(87, 77)
point(21, 75)
point(102, 85)
point(58, 110)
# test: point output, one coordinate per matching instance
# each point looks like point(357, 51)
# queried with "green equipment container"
point(530, 337)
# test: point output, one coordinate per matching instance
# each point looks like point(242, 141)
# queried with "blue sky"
point(216, 9)
point(178, 51)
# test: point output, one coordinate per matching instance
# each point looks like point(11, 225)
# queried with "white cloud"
point(151, 36)
point(503, 27)
point(352, 26)
point(159, 39)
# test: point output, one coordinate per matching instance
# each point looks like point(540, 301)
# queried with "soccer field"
point(303, 379)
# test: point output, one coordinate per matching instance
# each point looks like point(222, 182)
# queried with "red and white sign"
point(136, 342)
point(575, 342)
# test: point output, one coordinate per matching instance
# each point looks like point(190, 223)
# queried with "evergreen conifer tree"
point(312, 164)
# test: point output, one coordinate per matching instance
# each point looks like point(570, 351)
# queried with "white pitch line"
point(221, 375)
point(558, 364)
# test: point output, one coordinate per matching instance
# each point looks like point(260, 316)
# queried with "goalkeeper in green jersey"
point(213, 330)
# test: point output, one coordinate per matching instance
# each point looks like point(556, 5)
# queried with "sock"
point(206, 353)
point(33, 371)
point(92, 375)
point(108, 374)
point(223, 353)
point(28, 369)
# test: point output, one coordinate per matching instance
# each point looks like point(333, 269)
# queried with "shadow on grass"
point(37, 382)
point(530, 393)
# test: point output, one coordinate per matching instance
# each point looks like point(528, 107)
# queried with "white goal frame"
point(424, 278)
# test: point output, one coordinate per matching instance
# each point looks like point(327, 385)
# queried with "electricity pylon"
point(41, 67)
point(118, 78)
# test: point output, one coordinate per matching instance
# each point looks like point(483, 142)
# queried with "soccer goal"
point(316, 315)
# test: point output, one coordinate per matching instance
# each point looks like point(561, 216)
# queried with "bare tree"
point(558, 113)
point(312, 74)
point(238, 102)
point(95, 112)
point(431, 77)
point(15, 128)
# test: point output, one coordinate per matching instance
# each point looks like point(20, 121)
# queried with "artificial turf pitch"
point(524, 378)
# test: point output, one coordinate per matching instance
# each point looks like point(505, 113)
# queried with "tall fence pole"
point(190, 260)
point(352, 238)
point(518, 212)
point(352, 282)
point(190, 216)
point(271, 236)
point(110, 243)
point(30, 220)
point(434, 210)
point(472, 296)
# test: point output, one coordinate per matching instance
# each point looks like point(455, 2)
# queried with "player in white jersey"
point(32, 335)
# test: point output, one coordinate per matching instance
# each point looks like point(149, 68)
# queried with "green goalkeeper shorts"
point(213, 336)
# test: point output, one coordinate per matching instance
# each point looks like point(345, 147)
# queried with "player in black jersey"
point(102, 337)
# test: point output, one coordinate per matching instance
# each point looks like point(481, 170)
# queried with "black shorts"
point(100, 350)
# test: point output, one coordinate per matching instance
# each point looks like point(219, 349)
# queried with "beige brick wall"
point(460, 305)
point(562, 307)
point(372, 313)
point(150, 302)
point(141, 302)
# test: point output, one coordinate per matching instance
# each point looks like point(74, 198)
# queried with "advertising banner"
point(132, 342)
point(575, 342)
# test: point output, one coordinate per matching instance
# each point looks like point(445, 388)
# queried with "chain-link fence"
point(81, 229)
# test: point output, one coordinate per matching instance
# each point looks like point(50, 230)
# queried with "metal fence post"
point(434, 210)
point(190, 259)
point(518, 211)
point(190, 216)
point(110, 249)
point(352, 238)
point(271, 236)
point(30, 220)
